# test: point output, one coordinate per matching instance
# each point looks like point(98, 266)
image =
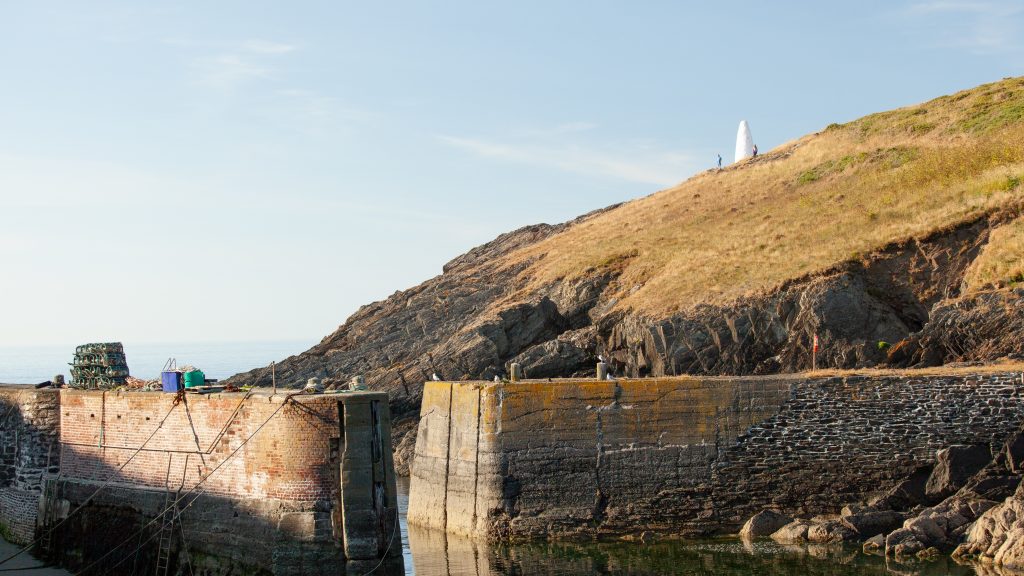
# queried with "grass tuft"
point(1001, 262)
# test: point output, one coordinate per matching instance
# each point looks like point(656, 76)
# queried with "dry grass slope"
point(808, 205)
point(1001, 263)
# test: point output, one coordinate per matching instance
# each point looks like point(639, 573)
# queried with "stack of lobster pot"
point(99, 366)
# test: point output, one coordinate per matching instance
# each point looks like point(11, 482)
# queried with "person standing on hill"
point(719, 161)
point(755, 150)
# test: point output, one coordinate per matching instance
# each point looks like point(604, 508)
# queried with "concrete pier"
point(684, 456)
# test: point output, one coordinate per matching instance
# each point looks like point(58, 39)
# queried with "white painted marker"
point(744, 142)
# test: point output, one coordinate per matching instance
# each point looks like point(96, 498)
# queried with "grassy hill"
point(807, 205)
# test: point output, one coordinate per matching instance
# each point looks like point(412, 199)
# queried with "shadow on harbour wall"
point(214, 536)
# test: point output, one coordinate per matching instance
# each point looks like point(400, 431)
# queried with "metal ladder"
point(169, 516)
point(45, 544)
point(163, 557)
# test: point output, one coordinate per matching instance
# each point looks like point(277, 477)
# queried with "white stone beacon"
point(744, 142)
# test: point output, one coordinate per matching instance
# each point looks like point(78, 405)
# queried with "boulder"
point(1014, 450)
point(851, 509)
point(795, 531)
point(907, 494)
point(954, 466)
point(999, 478)
point(903, 543)
point(926, 528)
point(764, 523)
point(829, 531)
point(991, 487)
point(941, 526)
point(875, 544)
point(868, 522)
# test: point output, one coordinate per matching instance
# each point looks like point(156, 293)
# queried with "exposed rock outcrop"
point(472, 320)
point(954, 466)
point(983, 327)
point(466, 322)
point(764, 523)
point(940, 527)
point(998, 535)
point(855, 309)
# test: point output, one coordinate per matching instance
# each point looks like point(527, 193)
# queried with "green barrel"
point(194, 378)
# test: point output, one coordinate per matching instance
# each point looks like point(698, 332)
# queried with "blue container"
point(171, 381)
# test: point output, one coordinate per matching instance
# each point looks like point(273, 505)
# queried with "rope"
point(180, 498)
point(391, 541)
point(49, 532)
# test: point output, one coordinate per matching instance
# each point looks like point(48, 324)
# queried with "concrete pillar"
point(515, 372)
point(369, 499)
point(602, 371)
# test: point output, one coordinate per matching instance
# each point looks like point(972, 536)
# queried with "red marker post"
point(814, 354)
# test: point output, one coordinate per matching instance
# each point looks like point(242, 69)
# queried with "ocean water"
point(34, 364)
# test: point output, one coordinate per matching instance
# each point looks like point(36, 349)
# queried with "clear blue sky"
point(206, 171)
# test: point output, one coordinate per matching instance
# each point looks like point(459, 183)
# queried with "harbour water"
point(432, 553)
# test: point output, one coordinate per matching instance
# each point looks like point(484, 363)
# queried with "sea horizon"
point(32, 364)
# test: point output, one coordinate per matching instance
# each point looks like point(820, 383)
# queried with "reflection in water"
point(433, 553)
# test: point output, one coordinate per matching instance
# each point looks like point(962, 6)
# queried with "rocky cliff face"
point(857, 309)
point(901, 304)
point(465, 323)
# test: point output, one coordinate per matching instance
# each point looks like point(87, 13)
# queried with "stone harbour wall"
point(684, 456)
point(29, 448)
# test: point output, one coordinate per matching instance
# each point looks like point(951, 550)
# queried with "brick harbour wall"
point(297, 498)
point(289, 459)
point(29, 449)
point(684, 456)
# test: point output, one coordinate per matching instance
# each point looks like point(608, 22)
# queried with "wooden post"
point(273, 375)
point(602, 371)
point(515, 372)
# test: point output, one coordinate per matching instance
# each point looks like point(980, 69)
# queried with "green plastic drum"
point(194, 378)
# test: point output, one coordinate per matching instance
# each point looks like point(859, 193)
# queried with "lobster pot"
point(99, 366)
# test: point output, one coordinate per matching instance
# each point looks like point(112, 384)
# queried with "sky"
point(245, 170)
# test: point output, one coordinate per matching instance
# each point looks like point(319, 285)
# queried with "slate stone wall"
point(838, 439)
point(29, 448)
